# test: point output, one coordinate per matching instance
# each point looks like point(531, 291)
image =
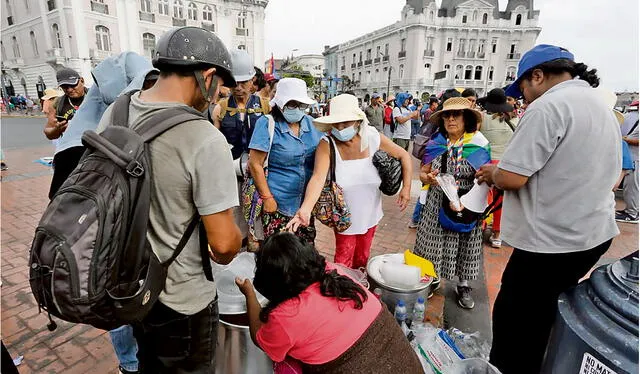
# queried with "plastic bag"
point(435, 349)
point(470, 344)
point(472, 366)
point(448, 184)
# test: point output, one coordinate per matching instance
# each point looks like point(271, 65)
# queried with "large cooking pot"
point(391, 294)
point(235, 351)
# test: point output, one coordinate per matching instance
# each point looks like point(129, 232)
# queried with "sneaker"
point(434, 287)
point(3, 166)
point(122, 370)
point(496, 243)
point(413, 225)
point(464, 297)
point(626, 218)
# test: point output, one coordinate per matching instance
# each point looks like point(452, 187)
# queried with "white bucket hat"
point(344, 108)
point(291, 89)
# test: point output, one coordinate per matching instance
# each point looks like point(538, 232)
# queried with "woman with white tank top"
point(355, 143)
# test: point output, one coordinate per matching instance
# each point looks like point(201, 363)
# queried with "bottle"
point(400, 312)
point(418, 311)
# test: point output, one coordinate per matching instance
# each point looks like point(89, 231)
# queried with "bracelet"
point(266, 197)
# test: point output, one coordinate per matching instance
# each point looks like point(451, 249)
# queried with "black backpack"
point(90, 261)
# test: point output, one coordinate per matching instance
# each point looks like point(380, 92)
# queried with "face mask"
point(293, 115)
point(345, 134)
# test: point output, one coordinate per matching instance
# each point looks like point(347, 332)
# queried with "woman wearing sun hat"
point(355, 143)
point(291, 157)
point(498, 127)
point(464, 149)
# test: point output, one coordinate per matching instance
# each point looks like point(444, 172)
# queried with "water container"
point(401, 312)
point(596, 328)
point(418, 311)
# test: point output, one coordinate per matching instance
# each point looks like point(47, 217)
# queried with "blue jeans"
point(125, 346)
point(417, 211)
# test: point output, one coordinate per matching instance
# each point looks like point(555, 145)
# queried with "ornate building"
point(476, 43)
point(39, 36)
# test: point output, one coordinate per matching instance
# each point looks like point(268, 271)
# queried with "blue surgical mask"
point(345, 134)
point(293, 115)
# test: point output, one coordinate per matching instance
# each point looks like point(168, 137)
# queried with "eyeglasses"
point(452, 113)
point(296, 105)
point(68, 86)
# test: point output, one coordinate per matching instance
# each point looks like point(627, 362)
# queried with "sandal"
point(496, 243)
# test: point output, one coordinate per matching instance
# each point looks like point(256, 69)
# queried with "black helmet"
point(194, 47)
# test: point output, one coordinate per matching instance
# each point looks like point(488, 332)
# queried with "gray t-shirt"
point(629, 131)
point(403, 130)
point(568, 143)
point(375, 115)
point(192, 171)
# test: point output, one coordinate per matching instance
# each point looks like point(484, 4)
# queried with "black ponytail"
point(590, 76)
point(342, 288)
point(563, 65)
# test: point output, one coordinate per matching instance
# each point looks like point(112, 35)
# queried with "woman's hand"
point(269, 205)
point(455, 208)
point(245, 286)
point(404, 197)
point(430, 178)
point(302, 218)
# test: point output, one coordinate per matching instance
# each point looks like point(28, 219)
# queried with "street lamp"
point(389, 75)
point(293, 50)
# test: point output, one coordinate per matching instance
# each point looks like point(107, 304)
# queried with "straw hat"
point(609, 98)
point(344, 108)
point(51, 93)
point(456, 103)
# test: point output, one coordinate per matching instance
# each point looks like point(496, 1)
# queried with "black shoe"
point(626, 218)
point(121, 370)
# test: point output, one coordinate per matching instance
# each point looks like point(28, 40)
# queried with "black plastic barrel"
point(596, 328)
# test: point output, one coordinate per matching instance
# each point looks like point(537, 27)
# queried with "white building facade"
point(40, 36)
point(472, 40)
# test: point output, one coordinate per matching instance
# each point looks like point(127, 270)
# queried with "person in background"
point(471, 95)
point(259, 81)
point(3, 165)
point(497, 126)
point(291, 154)
point(48, 106)
point(402, 117)
point(30, 105)
point(464, 149)
point(387, 123)
point(69, 149)
point(355, 143)
point(318, 319)
point(630, 131)
point(557, 218)
point(416, 123)
point(270, 89)
point(375, 112)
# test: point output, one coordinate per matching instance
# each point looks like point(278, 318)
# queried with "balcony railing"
point(148, 17)
point(385, 58)
point(376, 60)
point(481, 54)
point(460, 54)
point(97, 54)
point(179, 21)
point(368, 62)
point(99, 7)
point(241, 32)
point(209, 26)
point(55, 56)
point(360, 64)
point(14, 63)
point(430, 53)
point(402, 54)
point(51, 4)
point(471, 55)
point(353, 66)
point(510, 79)
point(513, 56)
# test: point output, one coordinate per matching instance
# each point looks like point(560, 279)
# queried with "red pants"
point(353, 250)
point(497, 215)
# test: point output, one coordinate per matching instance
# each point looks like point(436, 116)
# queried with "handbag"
point(331, 209)
point(390, 171)
point(251, 199)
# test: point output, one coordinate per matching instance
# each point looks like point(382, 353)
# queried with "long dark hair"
point(576, 69)
point(470, 123)
point(286, 266)
point(277, 114)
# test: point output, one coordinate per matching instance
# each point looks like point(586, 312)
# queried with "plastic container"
point(400, 275)
point(418, 311)
point(401, 312)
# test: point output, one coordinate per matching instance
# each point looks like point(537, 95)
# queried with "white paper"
point(476, 199)
point(448, 184)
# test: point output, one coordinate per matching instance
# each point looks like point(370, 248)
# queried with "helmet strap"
point(208, 95)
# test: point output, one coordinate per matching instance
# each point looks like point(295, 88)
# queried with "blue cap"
point(537, 55)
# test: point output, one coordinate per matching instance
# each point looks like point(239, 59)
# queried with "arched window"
point(242, 20)
point(242, 47)
point(474, 18)
point(490, 73)
point(468, 71)
point(207, 14)
point(103, 38)
point(145, 6)
point(178, 9)
point(16, 47)
point(34, 43)
point(518, 19)
point(56, 36)
point(431, 15)
point(511, 74)
point(401, 72)
point(459, 69)
point(464, 19)
point(478, 74)
point(163, 7)
point(447, 67)
point(485, 18)
point(149, 44)
point(192, 12)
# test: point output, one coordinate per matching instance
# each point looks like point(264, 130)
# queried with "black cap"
point(67, 76)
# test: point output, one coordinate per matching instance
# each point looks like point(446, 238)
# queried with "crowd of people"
point(257, 165)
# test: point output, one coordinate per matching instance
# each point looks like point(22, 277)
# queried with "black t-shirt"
point(69, 106)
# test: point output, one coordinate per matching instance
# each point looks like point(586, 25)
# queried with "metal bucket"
point(391, 295)
point(235, 352)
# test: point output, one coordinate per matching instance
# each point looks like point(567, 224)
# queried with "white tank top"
point(360, 184)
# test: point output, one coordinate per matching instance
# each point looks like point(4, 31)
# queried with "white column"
point(82, 40)
point(64, 32)
point(45, 24)
point(123, 25)
point(134, 36)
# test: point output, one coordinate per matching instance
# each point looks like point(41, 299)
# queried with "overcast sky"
point(601, 33)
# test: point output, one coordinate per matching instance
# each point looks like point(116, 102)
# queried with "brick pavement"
point(80, 349)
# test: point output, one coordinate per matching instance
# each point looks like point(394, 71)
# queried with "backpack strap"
point(635, 125)
point(272, 130)
point(195, 221)
point(224, 107)
point(120, 110)
point(166, 119)
point(332, 160)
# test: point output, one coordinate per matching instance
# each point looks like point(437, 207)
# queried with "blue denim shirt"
point(291, 160)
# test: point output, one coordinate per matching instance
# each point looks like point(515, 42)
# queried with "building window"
point(494, 45)
point(491, 73)
point(403, 44)
point(462, 45)
point(468, 72)
point(449, 44)
point(472, 45)
point(178, 9)
point(511, 74)
point(464, 19)
point(242, 47)
point(401, 72)
point(485, 18)
point(9, 13)
point(56, 36)
point(360, 56)
point(378, 51)
point(386, 49)
point(368, 76)
point(103, 38)
point(163, 7)
point(149, 44)
point(16, 47)
point(34, 43)
point(242, 20)
point(26, 5)
point(481, 47)
point(207, 14)
point(4, 52)
point(478, 74)
point(431, 15)
point(359, 76)
point(145, 6)
point(369, 54)
point(447, 67)
point(353, 61)
point(459, 70)
point(192, 12)
point(519, 19)
point(474, 18)
point(353, 77)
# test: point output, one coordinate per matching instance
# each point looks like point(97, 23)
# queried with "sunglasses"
point(68, 86)
point(296, 105)
point(452, 113)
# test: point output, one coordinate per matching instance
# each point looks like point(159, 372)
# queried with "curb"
point(22, 116)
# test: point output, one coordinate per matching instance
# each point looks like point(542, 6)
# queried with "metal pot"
point(235, 352)
point(390, 294)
